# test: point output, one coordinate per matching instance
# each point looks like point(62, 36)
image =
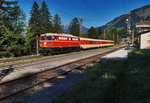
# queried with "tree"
point(13, 17)
point(85, 35)
point(148, 18)
point(45, 19)
point(100, 33)
point(19, 23)
point(11, 45)
point(11, 28)
point(123, 32)
point(92, 33)
point(57, 24)
point(34, 21)
point(114, 32)
point(34, 26)
point(30, 40)
point(5, 42)
point(1, 16)
point(74, 27)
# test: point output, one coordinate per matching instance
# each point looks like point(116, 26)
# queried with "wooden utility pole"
point(80, 33)
point(104, 34)
point(128, 26)
point(113, 37)
point(117, 38)
point(37, 45)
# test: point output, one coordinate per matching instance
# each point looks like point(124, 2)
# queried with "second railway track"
point(15, 59)
point(16, 86)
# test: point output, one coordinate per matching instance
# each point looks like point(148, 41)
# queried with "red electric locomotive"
point(57, 43)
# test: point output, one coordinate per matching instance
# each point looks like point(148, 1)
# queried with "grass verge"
point(113, 82)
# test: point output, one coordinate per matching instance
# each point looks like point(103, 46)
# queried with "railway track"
point(20, 65)
point(23, 64)
point(8, 60)
point(13, 87)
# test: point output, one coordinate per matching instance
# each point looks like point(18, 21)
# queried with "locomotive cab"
point(52, 43)
point(45, 41)
point(45, 44)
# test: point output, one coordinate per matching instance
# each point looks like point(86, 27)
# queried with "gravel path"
point(121, 54)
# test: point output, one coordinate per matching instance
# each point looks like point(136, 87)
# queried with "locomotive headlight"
point(40, 44)
point(44, 43)
point(49, 44)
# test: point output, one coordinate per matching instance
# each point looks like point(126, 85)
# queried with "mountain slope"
point(136, 16)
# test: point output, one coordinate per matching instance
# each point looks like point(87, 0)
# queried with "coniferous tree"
point(57, 24)
point(45, 19)
point(99, 32)
point(11, 44)
point(92, 33)
point(29, 42)
point(114, 32)
point(13, 17)
point(5, 42)
point(34, 22)
point(34, 26)
point(74, 27)
point(1, 17)
point(11, 28)
point(19, 23)
point(147, 18)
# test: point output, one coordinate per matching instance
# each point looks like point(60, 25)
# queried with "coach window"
point(83, 41)
point(56, 38)
point(48, 38)
point(42, 38)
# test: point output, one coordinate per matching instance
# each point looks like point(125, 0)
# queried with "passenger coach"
point(86, 43)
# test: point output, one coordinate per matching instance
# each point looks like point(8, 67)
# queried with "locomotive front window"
point(48, 38)
point(42, 38)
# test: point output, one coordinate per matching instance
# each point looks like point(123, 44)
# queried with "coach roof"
point(93, 39)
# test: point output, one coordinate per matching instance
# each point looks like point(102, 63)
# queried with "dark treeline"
point(18, 39)
point(94, 33)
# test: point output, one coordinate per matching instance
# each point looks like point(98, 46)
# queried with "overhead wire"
point(99, 10)
point(96, 11)
point(28, 2)
point(54, 9)
point(123, 6)
point(66, 15)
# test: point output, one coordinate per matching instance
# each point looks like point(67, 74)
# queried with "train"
point(54, 43)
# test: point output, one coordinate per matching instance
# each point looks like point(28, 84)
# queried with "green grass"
point(113, 82)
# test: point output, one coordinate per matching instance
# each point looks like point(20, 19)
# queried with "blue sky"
point(94, 12)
